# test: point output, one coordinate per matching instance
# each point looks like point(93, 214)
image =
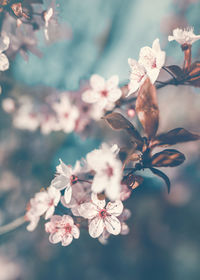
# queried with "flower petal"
point(115, 208)
point(97, 82)
point(96, 227)
point(113, 225)
point(88, 210)
point(112, 83)
point(68, 194)
point(75, 232)
point(114, 94)
point(99, 202)
point(4, 62)
point(90, 96)
point(67, 239)
point(55, 237)
point(4, 43)
point(49, 212)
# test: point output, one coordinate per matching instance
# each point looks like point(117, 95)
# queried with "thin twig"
point(13, 225)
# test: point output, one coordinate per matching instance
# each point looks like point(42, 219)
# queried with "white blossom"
point(101, 217)
point(184, 36)
point(4, 45)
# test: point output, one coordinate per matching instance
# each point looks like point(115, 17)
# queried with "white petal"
point(68, 194)
point(88, 210)
point(60, 182)
point(96, 227)
point(66, 219)
point(100, 203)
point(90, 96)
point(156, 45)
point(75, 232)
point(115, 208)
point(4, 63)
point(113, 225)
point(113, 189)
point(97, 82)
point(124, 229)
point(99, 183)
point(153, 74)
point(49, 212)
point(55, 237)
point(112, 83)
point(67, 239)
point(114, 95)
point(64, 169)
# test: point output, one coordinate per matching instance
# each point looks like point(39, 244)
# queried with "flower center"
point(73, 179)
point(66, 115)
point(104, 93)
point(109, 171)
point(102, 213)
point(68, 228)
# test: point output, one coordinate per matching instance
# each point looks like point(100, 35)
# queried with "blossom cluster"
point(82, 192)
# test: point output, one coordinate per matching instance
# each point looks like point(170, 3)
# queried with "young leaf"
point(168, 157)
point(147, 108)
point(163, 176)
point(194, 74)
point(174, 136)
point(118, 122)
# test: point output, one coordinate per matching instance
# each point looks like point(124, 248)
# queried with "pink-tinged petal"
point(56, 219)
point(96, 227)
point(50, 227)
point(33, 224)
point(68, 194)
point(75, 232)
point(113, 225)
point(124, 229)
point(90, 96)
point(115, 208)
point(4, 62)
point(55, 237)
point(66, 219)
point(114, 95)
point(97, 82)
point(67, 239)
point(100, 203)
point(54, 194)
point(60, 182)
point(112, 83)
point(88, 210)
point(126, 214)
point(49, 212)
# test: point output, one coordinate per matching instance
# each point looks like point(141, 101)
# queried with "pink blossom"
point(44, 202)
point(62, 229)
point(103, 93)
point(65, 178)
point(101, 217)
point(184, 36)
point(149, 64)
point(108, 171)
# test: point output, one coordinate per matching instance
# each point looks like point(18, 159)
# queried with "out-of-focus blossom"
point(4, 45)
point(103, 93)
point(184, 36)
point(9, 270)
point(47, 16)
point(8, 105)
point(62, 229)
point(44, 201)
point(25, 119)
point(67, 114)
point(149, 64)
point(65, 178)
point(80, 195)
point(101, 217)
point(108, 171)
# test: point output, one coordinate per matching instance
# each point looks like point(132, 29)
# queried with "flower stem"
point(13, 225)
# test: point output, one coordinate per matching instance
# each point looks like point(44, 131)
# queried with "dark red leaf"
point(176, 71)
point(33, 1)
point(174, 136)
point(147, 108)
point(163, 176)
point(194, 74)
point(118, 122)
point(133, 181)
point(168, 157)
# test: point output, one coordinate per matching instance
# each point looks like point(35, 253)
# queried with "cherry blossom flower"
point(67, 114)
point(184, 36)
point(103, 239)
point(104, 93)
point(4, 44)
point(65, 178)
point(44, 201)
point(101, 217)
point(108, 171)
point(149, 64)
point(80, 195)
point(8, 105)
point(62, 229)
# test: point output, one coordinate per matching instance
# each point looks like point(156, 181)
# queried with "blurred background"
point(164, 239)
